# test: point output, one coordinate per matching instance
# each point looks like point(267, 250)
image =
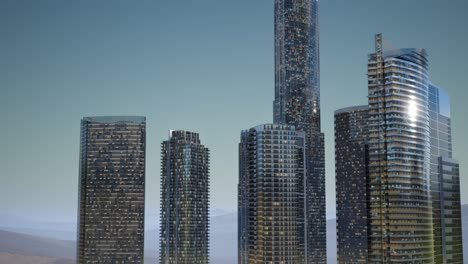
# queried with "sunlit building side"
point(271, 195)
point(445, 182)
point(401, 226)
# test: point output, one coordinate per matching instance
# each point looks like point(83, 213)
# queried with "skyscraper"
point(271, 196)
point(297, 77)
point(351, 161)
point(297, 103)
point(185, 182)
point(445, 181)
point(401, 226)
point(111, 216)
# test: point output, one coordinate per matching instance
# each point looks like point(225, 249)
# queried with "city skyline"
point(225, 198)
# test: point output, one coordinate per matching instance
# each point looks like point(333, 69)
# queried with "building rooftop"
point(115, 119)
point(352, 109)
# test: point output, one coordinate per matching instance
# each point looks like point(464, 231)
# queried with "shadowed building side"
point(243, 200)
point(351, 159)
point(111, 216)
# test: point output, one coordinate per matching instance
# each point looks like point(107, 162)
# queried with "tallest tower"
point(297, 78)
point(297, 103)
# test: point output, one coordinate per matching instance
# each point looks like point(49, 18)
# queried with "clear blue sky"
point(205, 66)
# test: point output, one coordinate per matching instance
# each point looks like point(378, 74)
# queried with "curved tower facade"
point(399, 157)
point(297, 103)
point(184, 237)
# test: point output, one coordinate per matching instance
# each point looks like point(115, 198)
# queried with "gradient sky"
point(204, 66)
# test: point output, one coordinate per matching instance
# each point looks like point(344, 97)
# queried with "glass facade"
point(185, 165)
point(397, 186)
point(451, 239)
point(297, 103)
point(445, 181)
point(111, 190)
point(351, 159)
point(271, 195)
point(401, 226)
point(297, 76)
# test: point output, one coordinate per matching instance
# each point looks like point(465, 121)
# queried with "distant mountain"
point(223, 246)
point(223, 239)
point(9, 258)
point(20, 248)
point(28, 245)
point(223, 236)
point(17, 248)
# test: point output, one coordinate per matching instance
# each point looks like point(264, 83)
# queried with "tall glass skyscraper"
point(185, 165)
point(351, 161)
point(271, 195)
point(401, 226)
point(111, 216)
point(297, 103)
point(394, 163)
point(445, 181)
